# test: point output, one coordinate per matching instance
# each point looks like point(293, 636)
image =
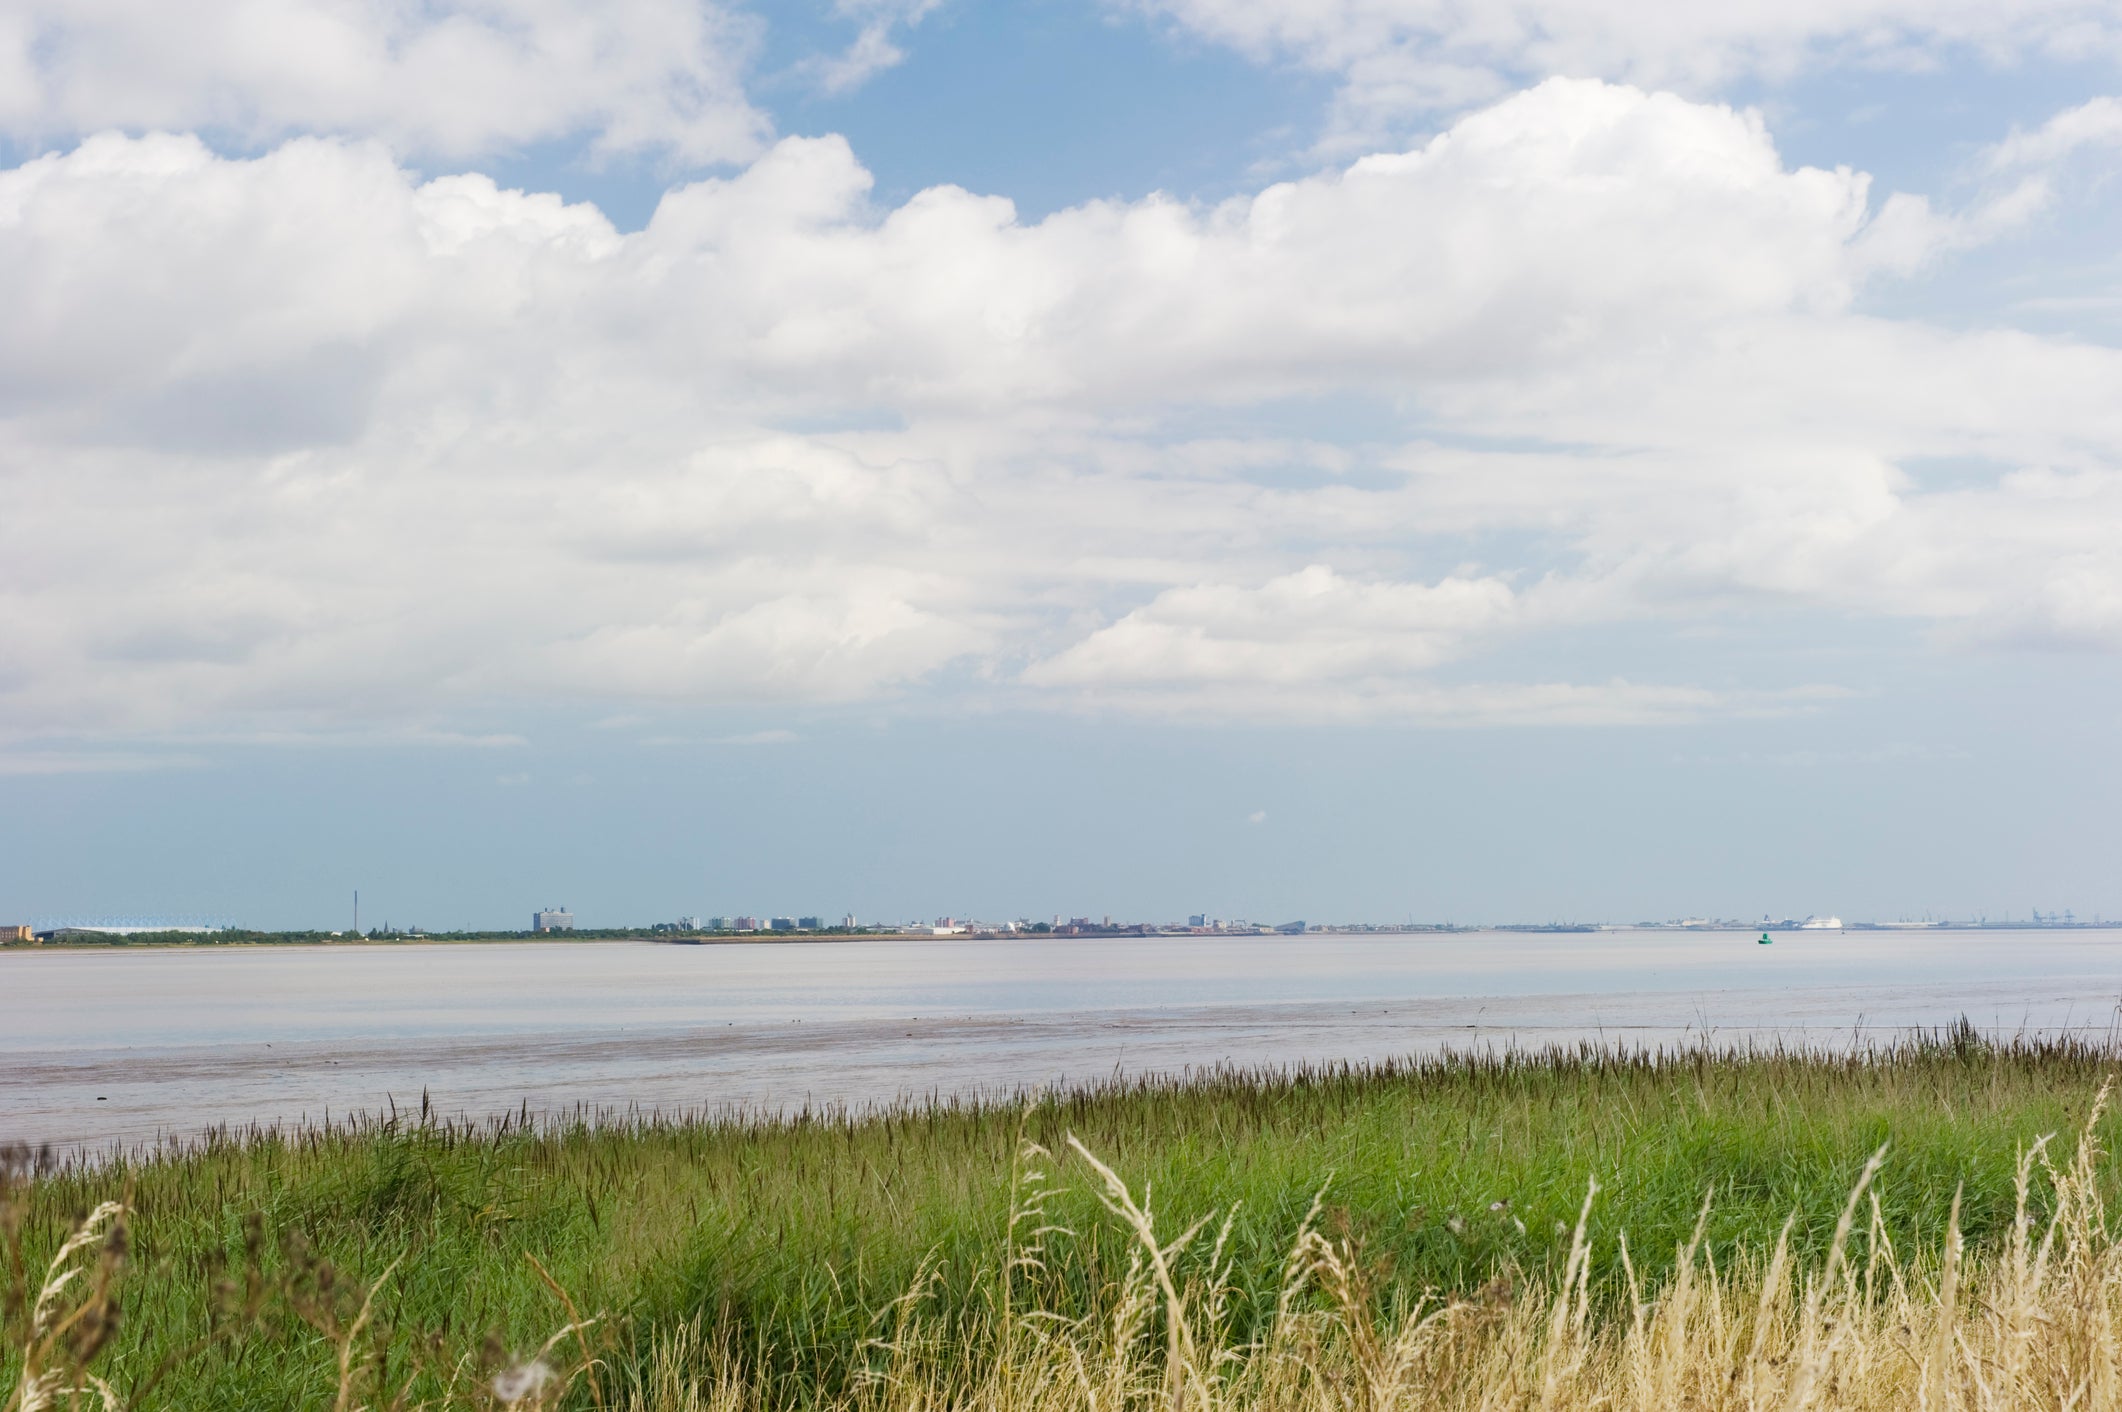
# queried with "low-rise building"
point(17, 933)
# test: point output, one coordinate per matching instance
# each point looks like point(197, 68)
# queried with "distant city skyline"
point(562, 922)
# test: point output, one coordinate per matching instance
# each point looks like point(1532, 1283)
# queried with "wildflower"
point(515, 1384)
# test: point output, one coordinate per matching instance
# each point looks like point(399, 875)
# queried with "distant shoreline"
point(254, 943)
point(196, 941)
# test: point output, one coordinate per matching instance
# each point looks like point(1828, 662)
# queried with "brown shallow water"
point(125, 1046)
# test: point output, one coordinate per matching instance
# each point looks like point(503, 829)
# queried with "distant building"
point(1198, 919)
point(810, 924)
point(848, 921)
point(553, 919)
point(1291, 929)
point(745, 924)
point(21, 933)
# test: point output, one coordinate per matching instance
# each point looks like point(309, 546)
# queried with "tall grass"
point(1556, 1230)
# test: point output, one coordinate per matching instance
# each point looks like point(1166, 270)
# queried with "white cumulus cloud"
point(453, 79)
point(303, 444)
point(1398, 58)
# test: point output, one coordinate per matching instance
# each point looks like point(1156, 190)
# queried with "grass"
point(830, 1259)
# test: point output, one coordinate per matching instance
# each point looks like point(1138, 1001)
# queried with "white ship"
point(1820, 924)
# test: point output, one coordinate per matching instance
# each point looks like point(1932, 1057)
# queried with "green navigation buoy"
point(1764, 941)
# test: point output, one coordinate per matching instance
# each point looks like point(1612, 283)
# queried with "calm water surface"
point(122, 1046)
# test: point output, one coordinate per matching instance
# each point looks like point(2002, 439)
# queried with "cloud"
point(1617, 702)
point(2094, 123)
point(454, 79)
point(1310, 626)
point(816, 646)
point(873, 49)
point(94, 762)
point(303, 446)
point(1398, 59)
point(780, 291)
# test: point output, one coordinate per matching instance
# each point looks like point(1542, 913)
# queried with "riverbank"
point(795, 1262)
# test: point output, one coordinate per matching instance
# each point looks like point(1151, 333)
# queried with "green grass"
point(792, 1236)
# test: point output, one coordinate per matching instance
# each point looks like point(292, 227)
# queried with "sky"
point(1350, 460)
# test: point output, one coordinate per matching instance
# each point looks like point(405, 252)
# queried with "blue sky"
point(1355, 461)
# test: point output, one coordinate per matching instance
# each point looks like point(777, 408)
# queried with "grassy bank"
point(775, 1260)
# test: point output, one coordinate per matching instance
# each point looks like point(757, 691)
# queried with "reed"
point(1902, 1228)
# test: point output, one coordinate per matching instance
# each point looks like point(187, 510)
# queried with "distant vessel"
point(1820, 924)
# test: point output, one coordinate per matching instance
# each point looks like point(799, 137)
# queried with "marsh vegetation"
point(1923, 1226)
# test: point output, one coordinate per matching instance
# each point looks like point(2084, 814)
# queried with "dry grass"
point(2032, 1320)
point(2036, 1323)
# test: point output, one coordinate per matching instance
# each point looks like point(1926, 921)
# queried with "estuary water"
point(121, 1047)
